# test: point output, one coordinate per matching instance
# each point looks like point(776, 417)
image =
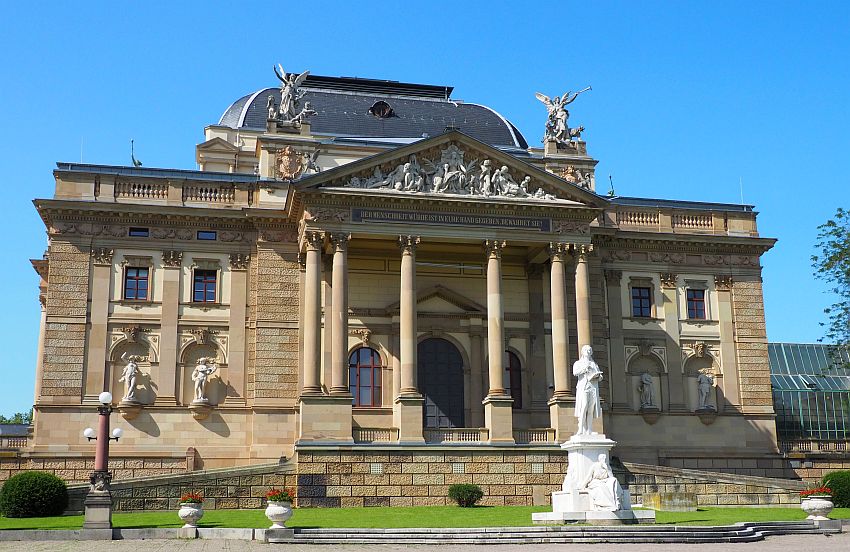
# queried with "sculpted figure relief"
point(605, 491)
point(204, 369)
point(647, 391)
point(587, 391)
point(290, 109)
point(129, 376)
point(704, 384)
point(556, 124)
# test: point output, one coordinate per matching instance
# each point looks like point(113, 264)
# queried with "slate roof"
point(343, 110)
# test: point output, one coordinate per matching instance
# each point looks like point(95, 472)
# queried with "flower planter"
point(818, 507)
point(190, 513)
point(278, 513)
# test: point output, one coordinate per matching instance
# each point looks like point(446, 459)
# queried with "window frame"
point(210, 235)
point(649, 302)
point(376, 368)
point(703, 300)
point(126, 277)
point(215, 282)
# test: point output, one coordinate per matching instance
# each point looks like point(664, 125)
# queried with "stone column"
point(563, 399)
point(237, 335)
point(312, 314)
point(498, 414)
point(172, 265)
point(583, 296)
point(339, 316)
point(39, 363)
point(96, 344)
point(408, 403)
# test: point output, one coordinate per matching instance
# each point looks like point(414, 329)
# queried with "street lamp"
point(99, 499)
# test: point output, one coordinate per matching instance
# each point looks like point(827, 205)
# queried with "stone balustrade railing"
point(693, 221)
point(638, 218)
point(374, 434)
point(210, 193)
point(17, 442)
point(534, 436)
point(806, 445)
point(456, 435)
point(141, 189)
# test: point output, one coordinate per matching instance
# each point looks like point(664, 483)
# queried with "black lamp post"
point(99, 499)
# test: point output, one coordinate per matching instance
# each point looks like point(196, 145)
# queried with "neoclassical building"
point(374, 266)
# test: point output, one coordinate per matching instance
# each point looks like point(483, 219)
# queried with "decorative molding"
point(669, 280)
point(339, 240)
point(670, 258)
point(645, 348)
point(570, 227)
point(183, 234)
point(613, 276)
point(102, 256)
point(493, 248)
point(201, 335)
point(88, 229)
point(131, 333)
point(723, 282)
point(365, 334)
point(313, 240)
point(408, 244)
point(275, 236)
point(172, 258)
point(582, 251)
point(715, 260)
point(288, 163)
point(227, 236)
point(617, 255)
point(239, 261)
point(559, 251)
point(326, 214)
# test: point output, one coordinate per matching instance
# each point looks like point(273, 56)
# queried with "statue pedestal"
point(129, 409)
point(200, 408)
point(575, 504)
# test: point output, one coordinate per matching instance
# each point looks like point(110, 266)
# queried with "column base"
point(407, 416)
point(562, 416)
point(98, 510)
point(325, 419)
point(499, 418)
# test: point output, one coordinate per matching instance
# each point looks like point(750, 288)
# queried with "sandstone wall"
point(751, 343)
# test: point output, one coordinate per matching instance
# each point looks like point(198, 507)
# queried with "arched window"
point(364, 377)
point(513, 378)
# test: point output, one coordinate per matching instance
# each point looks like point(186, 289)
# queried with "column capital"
point(582, 251)
point(613, 277)
point(172, 258)
point(408, 244)
point(101, 255)
point(493, 248)
point(340, 240)
point(723, 282)
point(668, 280)
point(239, 261)
point(558, 251)
point(313, 240)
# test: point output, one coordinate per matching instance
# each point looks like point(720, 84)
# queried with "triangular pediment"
point(440, 299)
point(451, 165)
point(217, 144)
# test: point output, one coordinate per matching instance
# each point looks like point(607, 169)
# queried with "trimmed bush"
point(33, 494)
point(839, 482)
point(465, 494)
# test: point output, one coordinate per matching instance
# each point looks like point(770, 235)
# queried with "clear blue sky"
point(687, 98)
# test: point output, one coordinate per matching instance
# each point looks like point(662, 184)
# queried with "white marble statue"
point(290, 93)
point(647, 391)
point(305, 113)
point(556, 124)
point(129, 375)
point(704, 384)
point(271, 107)
point(587, 391)
point(604, 489)
point(204, 369)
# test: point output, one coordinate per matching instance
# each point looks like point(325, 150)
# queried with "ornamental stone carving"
point(131, 333)
point(289, 163)
point(227, 236)
point(617, 255)
point(559, 251)
point(239, 261)
point(325, 214)
point(557, 128)
point(723, 282)
point(715, 260)
point(576, 177)
point(172, 259)
point(183, 234)
point(276, 236)
point(570, 227)
point(582, 250)
point(313, 241)
point(669, 280)
point(613, 276)
point(201, 335)
point(290, 110)
point(339, 240)
point(408, 244)
point(493, 248)
point(102, 256)
point(452, 173)
point(670, 258)
point(364, 334)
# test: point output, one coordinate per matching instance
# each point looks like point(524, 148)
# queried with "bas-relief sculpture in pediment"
point(455, 168)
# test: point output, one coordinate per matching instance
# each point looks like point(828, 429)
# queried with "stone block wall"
point(333, 477)
point(751, 343)
point(76, 469)
point(776, 467)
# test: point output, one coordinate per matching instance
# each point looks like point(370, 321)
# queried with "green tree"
point(833, 266)
point(17, 418)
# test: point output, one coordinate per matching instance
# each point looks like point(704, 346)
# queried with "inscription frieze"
point(450, 219)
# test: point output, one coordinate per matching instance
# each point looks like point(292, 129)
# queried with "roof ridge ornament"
point(291, 110)
point(557, 129)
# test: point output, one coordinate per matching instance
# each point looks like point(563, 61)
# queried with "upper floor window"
point(696, 304)
point(641, 302)
point(136, 283)
point(137, 232)
point(207, 235)
point(204, 286)
point(513, 377)
point(364, 377)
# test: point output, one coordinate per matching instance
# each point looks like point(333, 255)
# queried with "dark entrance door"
point(440, 375)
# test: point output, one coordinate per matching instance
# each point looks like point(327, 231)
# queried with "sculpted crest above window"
point(452, 174)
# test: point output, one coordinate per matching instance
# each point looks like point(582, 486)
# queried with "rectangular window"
point(696, 304)
point(136, 283)
point(641, 302)
point(207, 235)
point(136, 232)
point(204, 284)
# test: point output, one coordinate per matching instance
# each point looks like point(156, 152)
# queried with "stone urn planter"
point(817, 506)
point(278, 513)
point(190, 513)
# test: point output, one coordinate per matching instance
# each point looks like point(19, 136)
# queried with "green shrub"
point(33, 494)
point(465, 494)
point(839, 482)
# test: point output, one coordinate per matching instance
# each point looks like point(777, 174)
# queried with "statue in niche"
point(129, 376)
point(204, 369)
point(704, 384)
point(587, 391)
point(290, 93)
point(647, 391)
point(605, 491)
point(556, 124)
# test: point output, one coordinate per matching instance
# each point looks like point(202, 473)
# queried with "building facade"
point(366, 266)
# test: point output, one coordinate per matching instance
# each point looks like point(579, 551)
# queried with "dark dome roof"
point(343, 105)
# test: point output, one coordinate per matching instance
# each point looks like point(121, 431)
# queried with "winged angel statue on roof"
point(290, 94)
point(556, 125)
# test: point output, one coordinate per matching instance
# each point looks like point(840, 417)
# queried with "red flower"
point(280, 495)
point(192, 498)
point(816, 491)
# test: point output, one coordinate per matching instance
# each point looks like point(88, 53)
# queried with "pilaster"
point(172, 264)
point(96, 344)
point(239, 263)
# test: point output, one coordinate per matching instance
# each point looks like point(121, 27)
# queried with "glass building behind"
point(811, 396)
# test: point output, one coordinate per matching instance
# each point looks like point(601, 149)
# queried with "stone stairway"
point(740, 532)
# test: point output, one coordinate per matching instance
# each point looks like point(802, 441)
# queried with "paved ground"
point(834, 543)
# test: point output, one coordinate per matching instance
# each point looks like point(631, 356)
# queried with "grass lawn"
point(422, 516)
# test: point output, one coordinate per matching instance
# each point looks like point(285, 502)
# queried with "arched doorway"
point(440, 374)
